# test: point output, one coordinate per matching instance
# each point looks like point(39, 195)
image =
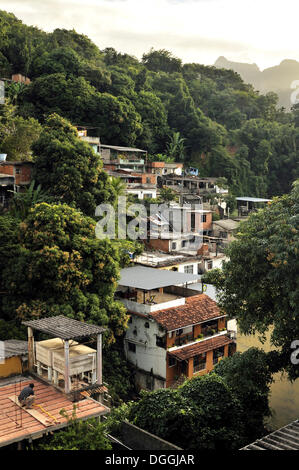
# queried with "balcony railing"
point(183, 339)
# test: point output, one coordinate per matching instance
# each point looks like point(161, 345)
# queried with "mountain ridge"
point(277, 79)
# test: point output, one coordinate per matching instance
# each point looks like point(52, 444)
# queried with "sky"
point(254, 31)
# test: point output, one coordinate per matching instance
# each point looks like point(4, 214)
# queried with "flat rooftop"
point(158, 259)
point(17, 424)
point(145, 278)
point(252, 199)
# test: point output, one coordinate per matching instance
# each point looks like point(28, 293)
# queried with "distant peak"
point(289, 62)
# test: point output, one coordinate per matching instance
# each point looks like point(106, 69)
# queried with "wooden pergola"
point(66, 329)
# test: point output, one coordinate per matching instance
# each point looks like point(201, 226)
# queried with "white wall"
point(148, 355)
point(142, 193)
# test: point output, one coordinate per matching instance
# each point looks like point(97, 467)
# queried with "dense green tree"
point(202, 414)
point(260, 281)
point(249, 376)
point(22, 202)
point(155, 128)
point(60, 267)
point(17, 134)
point(229, 128)
point(61, 60)
point(161, 60)
point(68, 169)
point(78, 435)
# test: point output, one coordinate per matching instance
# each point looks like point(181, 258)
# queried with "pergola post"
point(66, 366)
point(30, 349)
point(99, 360)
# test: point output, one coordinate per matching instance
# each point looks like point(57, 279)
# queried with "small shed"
point(13, 357)
point(63, 355)
point(250, 204)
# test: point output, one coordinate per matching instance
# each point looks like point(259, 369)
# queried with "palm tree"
point(118, 185)
point(176, 148)
point(23, 201)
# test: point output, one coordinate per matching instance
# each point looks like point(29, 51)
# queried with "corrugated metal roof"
point(141, 277)
point(64, 327)
point(252, 199)
point(286, 438)
point(12, 347)
point(227, 224)
point(123, 149)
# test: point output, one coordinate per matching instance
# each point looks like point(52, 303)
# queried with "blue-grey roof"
point(207, 289)
point(144, 278)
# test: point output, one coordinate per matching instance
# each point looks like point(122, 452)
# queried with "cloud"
point(258, 31)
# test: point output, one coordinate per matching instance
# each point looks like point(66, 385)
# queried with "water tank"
point(3, 157)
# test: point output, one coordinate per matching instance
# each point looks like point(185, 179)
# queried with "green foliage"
point(78, 435)
point(167, 195)
point(119, 375)
point(161, 60)
point(215, 216)
point(227, 128)
point(16, 133)
point(58, 266)
point(23, 201)
point(249, 377)
point(260, 286)
point(165, 413)
point(68, 169)
point(203, 414)
point(115, 419)
point(175, 148)
point(214, 276)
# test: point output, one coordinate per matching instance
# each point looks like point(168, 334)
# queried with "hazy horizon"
point(193, 30)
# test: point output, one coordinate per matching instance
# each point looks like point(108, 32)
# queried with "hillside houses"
point(14, 177)
point(174, 332)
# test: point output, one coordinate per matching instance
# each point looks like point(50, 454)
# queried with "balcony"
point(140, 302)
point(184, 339)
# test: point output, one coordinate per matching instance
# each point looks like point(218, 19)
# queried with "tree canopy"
point(259, 285)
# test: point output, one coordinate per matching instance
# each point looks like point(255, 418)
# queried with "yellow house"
point(13, 357)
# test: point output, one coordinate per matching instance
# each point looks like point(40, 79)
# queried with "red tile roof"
point(200, 347)
point(50, 399)
point(198, 308)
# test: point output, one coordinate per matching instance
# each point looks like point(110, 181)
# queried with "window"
point(173, 246)
point(192, 221)
point(209, 328)
point(188, 269)
point(203, 218)
point(184, 243)
point(146, 325)
point(223, 234)
point(18, 171)
point(171, 361)
point(199, 363)
point(149, 382)
point(179, 332)
point(148, 180)
point(217, 354)
point(210, 265)
point(160, 341)
point(132, 347)
point(130, 320)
